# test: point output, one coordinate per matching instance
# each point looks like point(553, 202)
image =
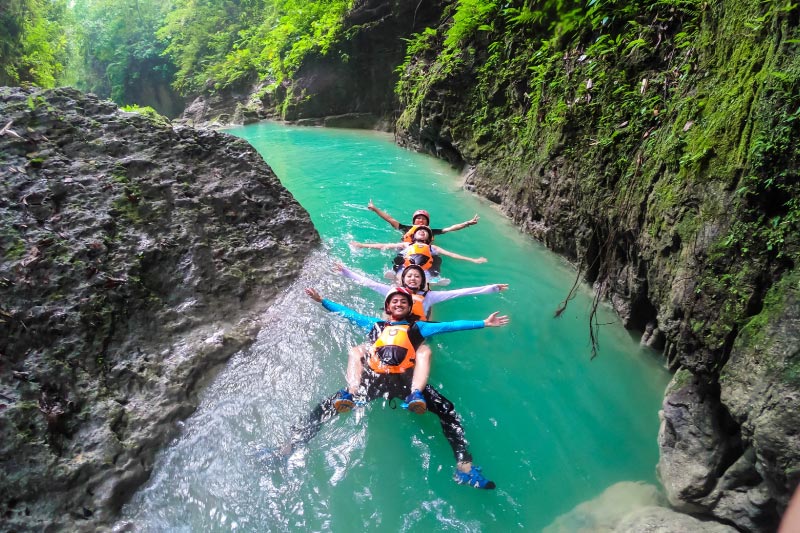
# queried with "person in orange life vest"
point(421, 218)
point(413, 279)
point(421, 252)
point(389, 372)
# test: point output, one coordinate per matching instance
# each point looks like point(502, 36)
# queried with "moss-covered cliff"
point(655, 144)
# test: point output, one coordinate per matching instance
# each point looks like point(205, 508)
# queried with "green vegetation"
point(148, 112)
point(33, 46)
point(129, 50)
point(218, 44)
point(118, 54)
point(660, 110)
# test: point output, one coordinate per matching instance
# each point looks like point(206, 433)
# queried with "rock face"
point(735, 468)
point(358, 75)
point(671, 182)
point(135, 260)
point(231, 106)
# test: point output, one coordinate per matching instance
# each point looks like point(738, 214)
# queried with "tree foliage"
point(33, 47)
point(218, 44)
point(120, 55)
point(122, 48)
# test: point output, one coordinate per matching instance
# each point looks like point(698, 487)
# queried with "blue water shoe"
point(343, 402)
point(415, 403)
point(473, 478)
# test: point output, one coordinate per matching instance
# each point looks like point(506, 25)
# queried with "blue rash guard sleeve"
point(363, 321)
point(428, 329)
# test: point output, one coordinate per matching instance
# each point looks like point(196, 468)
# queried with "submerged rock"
point(604, 512)
point(136, 259)
point(663, 520)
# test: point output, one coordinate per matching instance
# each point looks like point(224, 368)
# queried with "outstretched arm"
point(479, 260)
point(364, 321)
point(378, 246)
point(380, 288)
point(456, 227)
point(383, 214)
point(434, 297)
point(427, 329)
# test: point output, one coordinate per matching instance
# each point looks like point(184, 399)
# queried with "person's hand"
point(370, 205)
point(494, 321)
point(502, 286)
point(314, 295)
point(474, 220)
point(355, 244)
point(338, 268)
point(481, 260)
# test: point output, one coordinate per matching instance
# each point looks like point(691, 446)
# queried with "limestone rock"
point(136, 258)
point(602, 513)
point(664, 520)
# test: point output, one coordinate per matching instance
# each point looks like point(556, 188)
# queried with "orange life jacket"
point(393, 352)
point(409, 235)
point(418, 253)
point(419, 309)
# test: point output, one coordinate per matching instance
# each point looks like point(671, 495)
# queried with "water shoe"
point(473, 478)
point(415, 403)
point(343, 402)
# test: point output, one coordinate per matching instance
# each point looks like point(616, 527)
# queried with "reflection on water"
point(550, 427)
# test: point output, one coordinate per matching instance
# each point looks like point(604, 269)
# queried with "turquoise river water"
point(549, 426)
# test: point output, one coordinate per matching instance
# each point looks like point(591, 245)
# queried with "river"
point(550, 426)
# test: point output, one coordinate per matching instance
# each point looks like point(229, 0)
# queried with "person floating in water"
point(420, 218)
point(413, 279)
point(389, 372)
point(420, 252)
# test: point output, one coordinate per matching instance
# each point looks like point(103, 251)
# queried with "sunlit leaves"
point(33, 46)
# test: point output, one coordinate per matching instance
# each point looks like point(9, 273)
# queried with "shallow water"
point(549, 426)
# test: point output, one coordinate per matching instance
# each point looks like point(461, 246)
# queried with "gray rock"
point(759, 385)
point(705, 465)
point(604, 512)
point(663, 520)
point(137, 257)
point(694, 446)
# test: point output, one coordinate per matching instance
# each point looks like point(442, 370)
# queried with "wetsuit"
point(394, 385)
point(429, 297)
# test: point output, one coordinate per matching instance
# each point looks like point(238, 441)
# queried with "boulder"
point(137, 257)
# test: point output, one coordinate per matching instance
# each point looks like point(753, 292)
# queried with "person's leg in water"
point(415, 401)
point(371, 388)
point(466, 473)
point(345, 399)
point(355, 368)
point(436, 267)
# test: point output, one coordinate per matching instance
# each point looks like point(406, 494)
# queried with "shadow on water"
point(550, 427)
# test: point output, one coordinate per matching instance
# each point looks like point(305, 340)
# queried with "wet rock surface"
point(136, 258)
